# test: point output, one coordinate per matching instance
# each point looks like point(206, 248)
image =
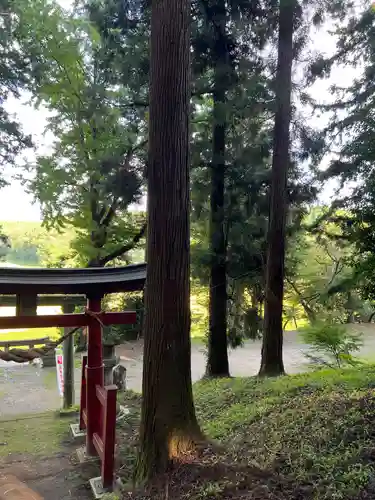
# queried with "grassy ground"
point(309, 436)
point(27, 334)
point(315, 429)
point(304, 437)
point(38, 435)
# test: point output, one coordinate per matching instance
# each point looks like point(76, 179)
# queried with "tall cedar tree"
point(353, 164)
point(15, 67)
point(217, 359)
point(168, 425)
point(272, 349)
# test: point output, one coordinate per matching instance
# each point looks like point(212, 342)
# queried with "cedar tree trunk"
point(217, 359)
point(168, 424)
point(272, 349)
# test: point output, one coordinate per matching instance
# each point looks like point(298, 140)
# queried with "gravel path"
point(26, 389)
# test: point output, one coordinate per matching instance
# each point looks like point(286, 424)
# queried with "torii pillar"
point(94, 373)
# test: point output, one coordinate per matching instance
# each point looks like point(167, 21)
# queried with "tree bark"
point(217, 359)
point(272, 349)
point(168, 424)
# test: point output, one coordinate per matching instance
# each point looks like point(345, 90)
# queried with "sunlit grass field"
point(29, 333)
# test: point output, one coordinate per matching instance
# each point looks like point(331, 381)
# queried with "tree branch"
point(123, 249)
point(111, 212)
point(308, 309)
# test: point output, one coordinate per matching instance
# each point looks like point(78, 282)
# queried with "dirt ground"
point(54, 478)
point(49, 467)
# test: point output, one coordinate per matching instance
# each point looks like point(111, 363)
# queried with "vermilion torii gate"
point(94, 283)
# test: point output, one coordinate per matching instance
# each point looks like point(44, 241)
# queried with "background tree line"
point(92, 75)
point(264, 255)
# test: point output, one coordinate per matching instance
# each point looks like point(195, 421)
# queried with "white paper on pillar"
point(60, 370)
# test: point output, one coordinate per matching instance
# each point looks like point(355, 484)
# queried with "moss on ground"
point(38, 435)
point(307, 436)
point(315, 429)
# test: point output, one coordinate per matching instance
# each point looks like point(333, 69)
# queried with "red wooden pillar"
point(94, 375)
point(109, 436)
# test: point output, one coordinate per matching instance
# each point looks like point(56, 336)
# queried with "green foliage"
point(94, 171)
point(199, 311)
point(331, 344)
point(350, 133)
point(4, 245)
point(15, 67)
point(26, 255)
point(321, 278)
point(117, 334)
point(33, 245)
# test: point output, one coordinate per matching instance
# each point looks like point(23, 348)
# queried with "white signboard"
point(60, 370)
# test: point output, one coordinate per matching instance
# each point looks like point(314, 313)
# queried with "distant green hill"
point(32, 245)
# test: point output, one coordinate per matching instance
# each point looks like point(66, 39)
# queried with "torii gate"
point(98, 411)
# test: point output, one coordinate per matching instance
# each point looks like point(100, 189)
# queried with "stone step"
point(76, 431)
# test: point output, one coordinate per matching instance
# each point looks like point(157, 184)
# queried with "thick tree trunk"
point(272, 350)
point(168, 425)
point(217, 359)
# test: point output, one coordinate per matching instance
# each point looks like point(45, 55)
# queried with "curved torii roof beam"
point(87, 281)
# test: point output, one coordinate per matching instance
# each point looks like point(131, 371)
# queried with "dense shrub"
point(331, 344)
